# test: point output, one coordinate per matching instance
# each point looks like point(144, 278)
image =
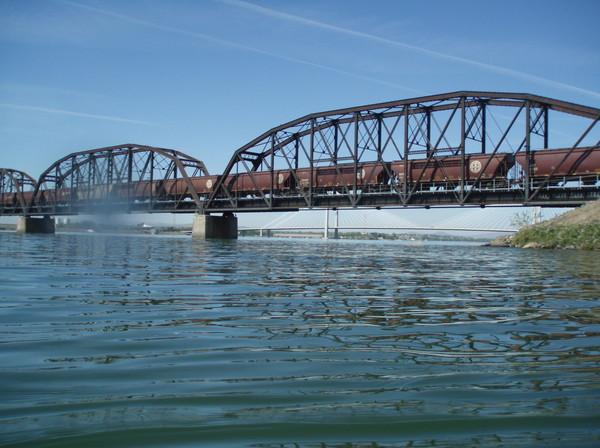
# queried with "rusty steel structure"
point(124, 178)
point(443, 149)
point(460, 148)
point(16, 191)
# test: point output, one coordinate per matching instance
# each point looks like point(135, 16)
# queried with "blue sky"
point(206, 77)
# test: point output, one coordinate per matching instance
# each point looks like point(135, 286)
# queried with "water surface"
point(164, 341)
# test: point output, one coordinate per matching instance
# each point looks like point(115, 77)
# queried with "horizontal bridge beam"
point(456, 229)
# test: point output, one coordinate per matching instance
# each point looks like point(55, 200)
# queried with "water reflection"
point(271, 343)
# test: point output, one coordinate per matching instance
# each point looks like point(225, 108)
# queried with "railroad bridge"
point(455, 149)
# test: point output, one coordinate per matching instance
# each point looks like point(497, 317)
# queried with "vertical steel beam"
point(56, 187)
point(406, 124)
point(311, 161)
point(71, 195)
point(272, 169)
point(109, 175)
point(90, 176)
point(483, 126)
point(297, 153)
point(428, 131)
point(527, 148)
point(335, 141)
point(379, 126)
point(462, 147)
point(546, 127)
point(355, 155)
point(151, 178)
point(129, 175)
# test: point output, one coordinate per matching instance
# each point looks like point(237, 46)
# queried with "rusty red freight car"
point(202, 185)
point(9, 199)
point(580, 163)
point(55, 196)
point(343, 176)
point(255, 181)
point(137, 190)
point(448, 169)
point(12, 199)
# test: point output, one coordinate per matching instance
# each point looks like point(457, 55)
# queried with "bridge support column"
point(215, 227)
point(31, 224)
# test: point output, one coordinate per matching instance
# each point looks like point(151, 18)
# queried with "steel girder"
point(117, 178)
point(16, 189)
point(455, 124)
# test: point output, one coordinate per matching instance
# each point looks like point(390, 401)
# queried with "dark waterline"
point(164, 341)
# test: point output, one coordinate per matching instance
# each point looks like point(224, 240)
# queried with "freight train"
point(483, 170)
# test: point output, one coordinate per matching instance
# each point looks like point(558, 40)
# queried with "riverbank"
point(577, 229)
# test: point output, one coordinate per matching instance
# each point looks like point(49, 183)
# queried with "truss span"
point(125, 178)
point(16, 190)
point(457, 148)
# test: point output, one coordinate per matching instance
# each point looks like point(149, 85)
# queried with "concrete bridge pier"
point(35, 224)
point(215, 227)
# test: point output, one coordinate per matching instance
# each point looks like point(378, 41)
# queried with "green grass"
point(580, 236)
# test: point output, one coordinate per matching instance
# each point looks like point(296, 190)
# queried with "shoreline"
point(577, 229)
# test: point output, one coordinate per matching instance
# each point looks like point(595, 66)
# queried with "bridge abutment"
point(215, 227)
point(34, 224)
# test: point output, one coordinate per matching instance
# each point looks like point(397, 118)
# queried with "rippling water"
point(161, 341)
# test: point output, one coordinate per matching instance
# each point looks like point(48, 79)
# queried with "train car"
point(581, 163)
point(249, 183)
point(9, 199)
point(330, 177)
point(137, 190)
point(12, 199)
point(343, 175)
point(27, 197)
point(93, 192)
point(54, 196)
point(303, 175)
point(202, 185)
point(448, 169)
point(142, 190)
point(179, 188)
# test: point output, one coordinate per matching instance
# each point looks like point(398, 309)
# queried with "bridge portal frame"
point(14, 185)
point(112, 178)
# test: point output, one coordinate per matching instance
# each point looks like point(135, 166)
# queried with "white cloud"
point(73, 113)
point(231, 44)
point(398, 44)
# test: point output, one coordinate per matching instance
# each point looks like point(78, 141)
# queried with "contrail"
point(382, 40)
point(74, 114)
point(231, 44)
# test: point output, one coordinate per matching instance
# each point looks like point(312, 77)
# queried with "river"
point(156, 341)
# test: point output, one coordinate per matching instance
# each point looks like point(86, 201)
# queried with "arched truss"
point(16, 190)
point(126, 177)
point(437, 129)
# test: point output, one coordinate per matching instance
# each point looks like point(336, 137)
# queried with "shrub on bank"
point(580, 236)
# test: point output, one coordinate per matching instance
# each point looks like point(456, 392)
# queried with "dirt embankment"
point(577, 229)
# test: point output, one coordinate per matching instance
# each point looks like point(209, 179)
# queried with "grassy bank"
point(577, 229)
point(576, 236)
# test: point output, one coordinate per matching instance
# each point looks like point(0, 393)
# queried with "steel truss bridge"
point(461, 148)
